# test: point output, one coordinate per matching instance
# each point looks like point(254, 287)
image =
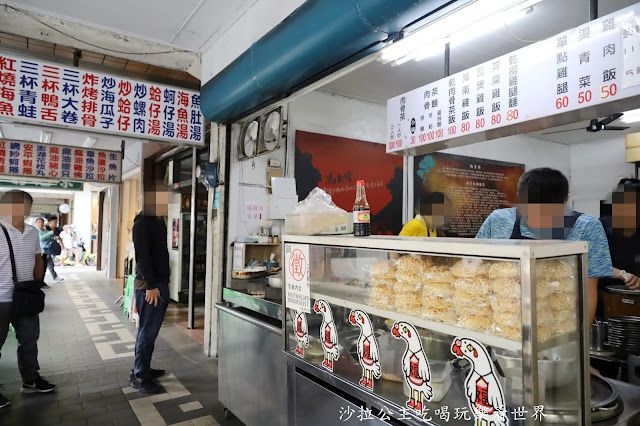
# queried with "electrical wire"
point(516, 37)
point(95, 45)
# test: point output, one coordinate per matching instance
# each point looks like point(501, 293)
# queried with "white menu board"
point(595, 63)
point(59, 162)
point(33, 91)
point(297, 282)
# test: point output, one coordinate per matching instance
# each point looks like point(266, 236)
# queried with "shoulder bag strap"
point(13, 259)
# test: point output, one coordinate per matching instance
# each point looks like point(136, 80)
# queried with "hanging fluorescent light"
point(632, 116)
point(89, 141)
point(45, 137)
point(456, 24)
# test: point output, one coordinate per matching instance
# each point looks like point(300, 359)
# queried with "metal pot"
point(557, 365)
point(599, 337)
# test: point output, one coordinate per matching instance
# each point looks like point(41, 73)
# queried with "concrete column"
point(214, 277)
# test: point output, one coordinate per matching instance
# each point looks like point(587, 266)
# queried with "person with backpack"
point(49, 245)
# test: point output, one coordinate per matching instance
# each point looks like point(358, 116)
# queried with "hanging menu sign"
point(591, 64)
point(37, 92)
point(27, 159)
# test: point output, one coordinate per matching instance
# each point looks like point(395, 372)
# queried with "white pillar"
point(112, 241)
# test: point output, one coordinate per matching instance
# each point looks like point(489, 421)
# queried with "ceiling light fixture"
point(89, 142)
point(1, 134)
point(632, 116)
point(474, 19)
point(45, 137)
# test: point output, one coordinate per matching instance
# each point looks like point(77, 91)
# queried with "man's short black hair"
point(51, 218)
point(9, 197)
point(543, 186)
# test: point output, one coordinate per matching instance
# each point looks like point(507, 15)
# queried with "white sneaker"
point(58, 279)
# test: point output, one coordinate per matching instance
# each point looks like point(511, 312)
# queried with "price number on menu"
point(608, 91)
point(466, 126)
point(395, 144)
point(562, 102)
point(480, 123)
point(451, 130)
point(584, 97)
point(513, 114)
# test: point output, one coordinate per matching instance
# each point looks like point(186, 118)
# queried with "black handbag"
point(28, 297)
point(52, 247)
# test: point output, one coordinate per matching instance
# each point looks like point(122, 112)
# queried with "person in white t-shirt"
point(25, 241)
point(67, 244)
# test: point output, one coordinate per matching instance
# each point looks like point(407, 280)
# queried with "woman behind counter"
point(432, 218)
point(622, 233)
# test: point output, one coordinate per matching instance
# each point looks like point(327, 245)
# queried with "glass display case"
point(451, 331)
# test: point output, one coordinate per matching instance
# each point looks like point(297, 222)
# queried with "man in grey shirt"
point(14, 207)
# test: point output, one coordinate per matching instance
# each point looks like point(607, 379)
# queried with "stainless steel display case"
point(251, 369)
point(340, 269)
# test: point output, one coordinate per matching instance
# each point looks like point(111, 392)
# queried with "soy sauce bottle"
point(361, 213)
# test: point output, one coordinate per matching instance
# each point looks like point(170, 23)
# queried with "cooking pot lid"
point(623, 289)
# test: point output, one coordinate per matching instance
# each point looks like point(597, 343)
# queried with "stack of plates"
point(624, 335)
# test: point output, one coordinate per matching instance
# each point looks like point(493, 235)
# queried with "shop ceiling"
point(92, 60)
point(377, 82)
point(187, 24)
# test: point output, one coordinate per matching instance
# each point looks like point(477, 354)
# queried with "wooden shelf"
point(356, 298)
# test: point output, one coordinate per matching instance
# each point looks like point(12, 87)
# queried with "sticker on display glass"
point(302, 332)
point(482, 388)
point(368, 350)
point(328, 334)
point(415, 366)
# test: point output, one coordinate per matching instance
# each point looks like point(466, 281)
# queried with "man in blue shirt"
point(543, 214)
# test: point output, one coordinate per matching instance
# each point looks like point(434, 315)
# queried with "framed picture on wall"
point(455, 194)
point(335, 164)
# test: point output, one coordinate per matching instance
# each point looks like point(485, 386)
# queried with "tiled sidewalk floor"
point(86, 348)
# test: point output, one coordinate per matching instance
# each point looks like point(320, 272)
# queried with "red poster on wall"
point(335, 164)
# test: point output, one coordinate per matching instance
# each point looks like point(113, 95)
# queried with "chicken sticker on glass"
point(482, 388)
point(301, 331)
point(415, 366)
point(328, 334)
point(367, 347)
point(296, 263)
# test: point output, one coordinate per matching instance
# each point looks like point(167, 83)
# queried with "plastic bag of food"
point(438, 274)
point(480, 285)
point(435, 288)
point(515, 333)
point(408, 303)
point(504, 269)
point(316, 215)
point(383, 270)
point(469, 267)
point(413, 264)
point(475, 322)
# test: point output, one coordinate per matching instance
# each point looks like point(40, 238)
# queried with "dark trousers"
point(48, 261)
point(27, 332)
point(149, 324)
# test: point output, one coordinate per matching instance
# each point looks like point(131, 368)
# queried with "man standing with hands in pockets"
point(151, 284)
